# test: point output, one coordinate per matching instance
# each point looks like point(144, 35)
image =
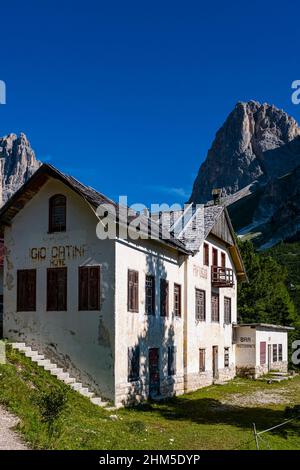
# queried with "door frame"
point(215, 362)
point(154, 387)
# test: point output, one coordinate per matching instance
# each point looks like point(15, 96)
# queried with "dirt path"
point(9, 439)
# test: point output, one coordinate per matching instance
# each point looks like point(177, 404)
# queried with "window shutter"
point(133, 291)
point(164, 298)
point(26, 290)
point(57, 289)
point(51, 290)
point(136, 291)
point(61, 289)
point(94, 283)
point(83, 288)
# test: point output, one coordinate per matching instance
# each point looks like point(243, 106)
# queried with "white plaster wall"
point(207, 334)
point(245, 346)
point(271, 337)
point(146, 330)
point(81, 341)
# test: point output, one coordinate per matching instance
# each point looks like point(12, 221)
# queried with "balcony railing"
point(222, 277)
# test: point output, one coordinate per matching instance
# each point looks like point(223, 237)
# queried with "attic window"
point(57, 213)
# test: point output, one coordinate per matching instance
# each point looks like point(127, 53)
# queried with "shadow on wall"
point(156, 344)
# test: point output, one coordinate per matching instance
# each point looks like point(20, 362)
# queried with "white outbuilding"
point(261, 348)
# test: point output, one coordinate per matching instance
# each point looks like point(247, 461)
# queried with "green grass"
point(211, 418)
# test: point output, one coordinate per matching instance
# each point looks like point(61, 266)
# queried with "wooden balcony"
point(222, 277)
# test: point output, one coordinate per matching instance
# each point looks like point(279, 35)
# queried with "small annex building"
point(261, 348)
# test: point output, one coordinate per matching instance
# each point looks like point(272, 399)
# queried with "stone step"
point(18, 345)
point(56, 371)
point(69, 380)
point(63, 375)
point(38, 357)
point(97, 401)
point(85, 392)
point(76, 386)
point(50, 366)
point(25, 349)
point(43, 362)
point(31, 353)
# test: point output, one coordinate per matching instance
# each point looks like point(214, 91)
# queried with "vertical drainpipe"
point(185, 321)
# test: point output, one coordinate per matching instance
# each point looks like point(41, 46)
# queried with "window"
point(177, 300)
point(133, 291)
point(56, 289)
point(274, 352)
point(227, 310)
point(223, 260)
point(226, 357)
point(57, 213)
point(279, 352)
point(89, 288)
point(215, 257)
point(263, 352)
point(133, 364)
point(150, 295)
point(171, 360)
point(200, 305)
point(164, 298)
point(26, 290)
point(206, 254)
point(201, 360)
point(215, 316)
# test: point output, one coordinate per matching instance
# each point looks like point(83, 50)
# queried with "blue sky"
point(127, 96)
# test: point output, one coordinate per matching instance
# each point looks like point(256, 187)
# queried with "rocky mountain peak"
point(257, 142)
point(17, 164)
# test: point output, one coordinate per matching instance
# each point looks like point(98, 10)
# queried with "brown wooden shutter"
point(223, 260)
point(136, 291)
point(206, 254)
point(26, 290)
point(56, 289)
point(83, 288)
point(61, 289)
point(202, 360)
point(164, 298)
point(215, 256)
point(215, 307)
point(94, 288)
point(133, 291)
point(51, 290)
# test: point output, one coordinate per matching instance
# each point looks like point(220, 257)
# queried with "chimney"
point(216, 194)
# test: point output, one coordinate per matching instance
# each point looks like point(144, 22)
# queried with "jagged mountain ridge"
point(255, 161)
point(257, 142)
point(17, 163)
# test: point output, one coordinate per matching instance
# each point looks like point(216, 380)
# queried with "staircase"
point(59, 373)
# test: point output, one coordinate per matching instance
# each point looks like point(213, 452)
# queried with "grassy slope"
point(194, 421)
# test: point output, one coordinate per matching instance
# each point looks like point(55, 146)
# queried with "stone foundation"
point(253, 372)
point(137, 392)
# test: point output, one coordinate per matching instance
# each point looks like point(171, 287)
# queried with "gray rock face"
point(257, 142)
point(17, 164)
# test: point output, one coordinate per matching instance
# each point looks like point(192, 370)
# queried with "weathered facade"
point(261, 348)
point(131, 318)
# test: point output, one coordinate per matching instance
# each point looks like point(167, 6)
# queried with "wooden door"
point(154, 379)
point(215, 362)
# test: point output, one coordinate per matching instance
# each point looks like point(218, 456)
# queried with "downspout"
point(185, 323)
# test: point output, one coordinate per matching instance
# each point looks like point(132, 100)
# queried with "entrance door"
point(154, 380)
point(215, 362)
point(269, 357)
